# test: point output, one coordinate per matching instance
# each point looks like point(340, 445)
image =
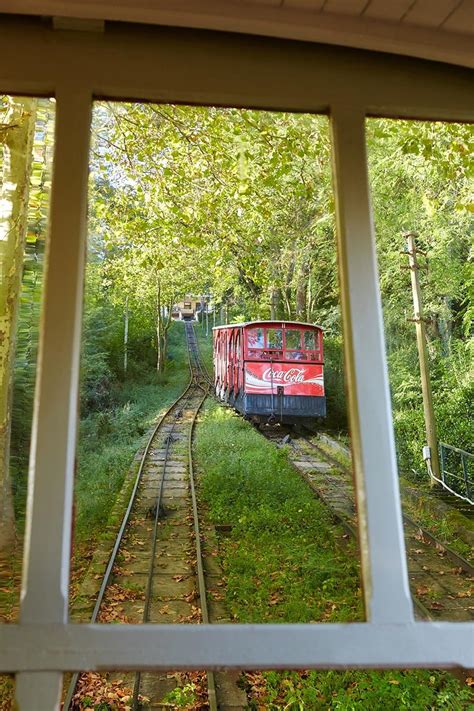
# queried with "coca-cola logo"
point(292, 375)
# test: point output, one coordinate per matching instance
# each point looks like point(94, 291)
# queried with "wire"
point(440, 481)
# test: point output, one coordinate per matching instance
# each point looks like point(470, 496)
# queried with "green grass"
point(282, 544)
point(110, 438)
point(285, 560)
point(448, 524)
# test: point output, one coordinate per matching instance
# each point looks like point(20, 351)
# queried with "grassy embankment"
point(285, 560)
point(109, 439)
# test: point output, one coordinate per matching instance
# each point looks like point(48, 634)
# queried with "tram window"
point(275, 338)
point(293, 339)
point(255, 338)
point(309, 341)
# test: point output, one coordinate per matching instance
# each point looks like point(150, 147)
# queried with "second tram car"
point(271, 370)
point(188, 309)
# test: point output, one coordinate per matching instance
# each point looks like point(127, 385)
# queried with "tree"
point(16, 136)
point(248, 192)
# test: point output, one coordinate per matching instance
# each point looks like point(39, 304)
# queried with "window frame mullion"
point(47, 551)
point(383, 557)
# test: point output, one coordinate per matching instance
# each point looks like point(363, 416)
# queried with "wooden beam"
point(234, 646)
point(271, 19)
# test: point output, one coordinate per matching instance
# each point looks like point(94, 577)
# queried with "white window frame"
point(169, 65)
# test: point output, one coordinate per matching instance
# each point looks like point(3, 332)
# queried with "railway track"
point(157, 569)
point(441, 581)
point(196, 362)
point(159, 566)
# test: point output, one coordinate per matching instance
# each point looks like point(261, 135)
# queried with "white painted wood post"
point(384, 566)
point(45, 582)
point(38, 691)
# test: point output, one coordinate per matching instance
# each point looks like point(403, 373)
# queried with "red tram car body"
point(271, 370)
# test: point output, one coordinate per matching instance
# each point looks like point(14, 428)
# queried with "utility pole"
point(420, 323)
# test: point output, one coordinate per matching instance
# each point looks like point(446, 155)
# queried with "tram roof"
point(267, 323)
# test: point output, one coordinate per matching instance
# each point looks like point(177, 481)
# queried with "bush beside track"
point(286, 561)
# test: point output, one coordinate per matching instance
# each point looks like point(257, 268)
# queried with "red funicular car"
point(271, 370)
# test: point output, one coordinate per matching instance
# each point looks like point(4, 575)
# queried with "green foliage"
point(453, 389)
point(25, 370)
point(420, 181)
point(110, 436)
point(334, 382)
point(245, 196)
point(182, 696)
point(351, 691)
point(237, 201)
point(27, 326)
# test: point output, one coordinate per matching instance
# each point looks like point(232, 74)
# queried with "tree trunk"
point(16, 137)
point(309, 298)
point(273, 303)
point(125, 337)
point(300, 300)
point(166, 323)
point(160, 361)
point(301, 291)
point(159, 330)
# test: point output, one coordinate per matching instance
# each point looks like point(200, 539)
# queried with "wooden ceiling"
point(441, 30)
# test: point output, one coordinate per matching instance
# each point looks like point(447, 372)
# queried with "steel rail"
point(340, 517)
point(151, 570)
point(456, 558)
point(118, 540)
point(343, 519)
point(211, 684)
point(194, 370)
point(202, 364)
point(211, 681)
point(197, 373)
point(193, 340)
point(408, 521)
